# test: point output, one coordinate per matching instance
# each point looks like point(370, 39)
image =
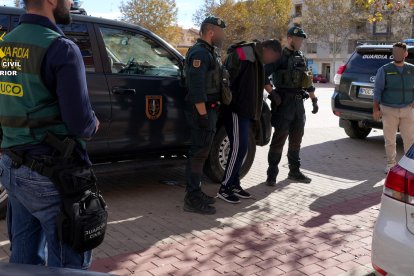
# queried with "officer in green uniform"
point(204, 77)
point(293, 84)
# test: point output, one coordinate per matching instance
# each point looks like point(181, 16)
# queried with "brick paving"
point(322, 228)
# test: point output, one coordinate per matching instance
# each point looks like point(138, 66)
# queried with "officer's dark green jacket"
point(399, 87)
point(291, 72)
point(203, 70)
point(27, 108)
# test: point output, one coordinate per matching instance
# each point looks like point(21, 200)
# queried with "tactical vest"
point(27, 108)
point(399, 87)
point(294, 73)
point(214, 75)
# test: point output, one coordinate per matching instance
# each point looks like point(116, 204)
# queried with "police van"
point(136, 86)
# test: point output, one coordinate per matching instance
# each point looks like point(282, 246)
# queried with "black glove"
point(315, 105)
point(275, 99)
point(203, 121)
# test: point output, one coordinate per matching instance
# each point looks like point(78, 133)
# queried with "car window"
point(132, 53)
point(78, 33)
point(4, 24)
point(368, 61)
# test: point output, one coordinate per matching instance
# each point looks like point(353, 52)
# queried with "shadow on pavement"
point(351, 162)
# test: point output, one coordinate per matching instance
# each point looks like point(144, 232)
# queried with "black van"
point(352, 100)
point(136, 86)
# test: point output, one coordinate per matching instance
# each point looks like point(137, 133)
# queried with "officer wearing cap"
point(203, 69)
point(293, 84)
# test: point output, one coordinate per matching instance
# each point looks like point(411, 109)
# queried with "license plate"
point(366, 92)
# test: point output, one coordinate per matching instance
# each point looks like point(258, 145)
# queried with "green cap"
point(215, 21)
point(297, 31)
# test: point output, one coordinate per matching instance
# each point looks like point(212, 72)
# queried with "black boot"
point(294, 167)
point(193, 202)
point(298, 176)
point(207, 199)
point(273, 170)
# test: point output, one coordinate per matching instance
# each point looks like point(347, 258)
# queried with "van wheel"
point(217, 160)
point(354, 131)
point(3, 202)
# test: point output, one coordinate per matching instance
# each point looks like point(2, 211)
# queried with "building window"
point(335, 47)
point(312, 48)
point(298, 10)
point(382, 28)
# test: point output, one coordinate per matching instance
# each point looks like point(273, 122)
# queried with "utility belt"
point(294, 94)
point(82, 220)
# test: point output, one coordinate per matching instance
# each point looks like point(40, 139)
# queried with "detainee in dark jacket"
point(245, 63)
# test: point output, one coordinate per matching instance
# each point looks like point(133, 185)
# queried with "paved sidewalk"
point(332, 241)
point(322, 228)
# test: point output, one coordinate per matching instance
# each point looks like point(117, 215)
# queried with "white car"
point(393, 238)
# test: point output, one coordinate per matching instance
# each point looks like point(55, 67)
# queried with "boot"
point(193, 202)
point(273, 170)
point(294, 166)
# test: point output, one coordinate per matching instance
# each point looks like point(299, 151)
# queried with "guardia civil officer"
point(293, 85)
point(244, 62)
point(394, 102)
point(51, 96)
point(204, 83)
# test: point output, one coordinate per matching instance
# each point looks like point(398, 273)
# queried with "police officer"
point(204, 81)
point(49, 94)
point(293, 85)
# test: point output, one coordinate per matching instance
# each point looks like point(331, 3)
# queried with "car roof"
point(382, 47)
point(92, 19)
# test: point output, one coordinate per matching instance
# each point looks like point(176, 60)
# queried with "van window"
point(132, 53)
point(78, 33)
point(4, 24)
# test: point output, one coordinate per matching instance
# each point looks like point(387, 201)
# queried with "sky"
point(110, 9)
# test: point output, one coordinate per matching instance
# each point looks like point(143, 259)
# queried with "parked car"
point(136, 86)
point(393, 238)
point(352, 100)
point(318, 78)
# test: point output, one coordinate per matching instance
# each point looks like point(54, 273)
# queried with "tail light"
point(380, 270)
point(338, 76)
point(399, 185)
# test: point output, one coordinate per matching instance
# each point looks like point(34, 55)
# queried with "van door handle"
point(123, 91)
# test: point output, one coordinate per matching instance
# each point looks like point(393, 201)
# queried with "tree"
point(247, 20)
point(395, 13)
point(269, 18)
point(378, 9)
point(329, 22)
point(205, 10)
point(158, 16)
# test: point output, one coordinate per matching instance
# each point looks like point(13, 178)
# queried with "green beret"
point(296, 31)
point(215, 21)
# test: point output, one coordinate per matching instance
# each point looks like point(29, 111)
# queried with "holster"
point(83, 216)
